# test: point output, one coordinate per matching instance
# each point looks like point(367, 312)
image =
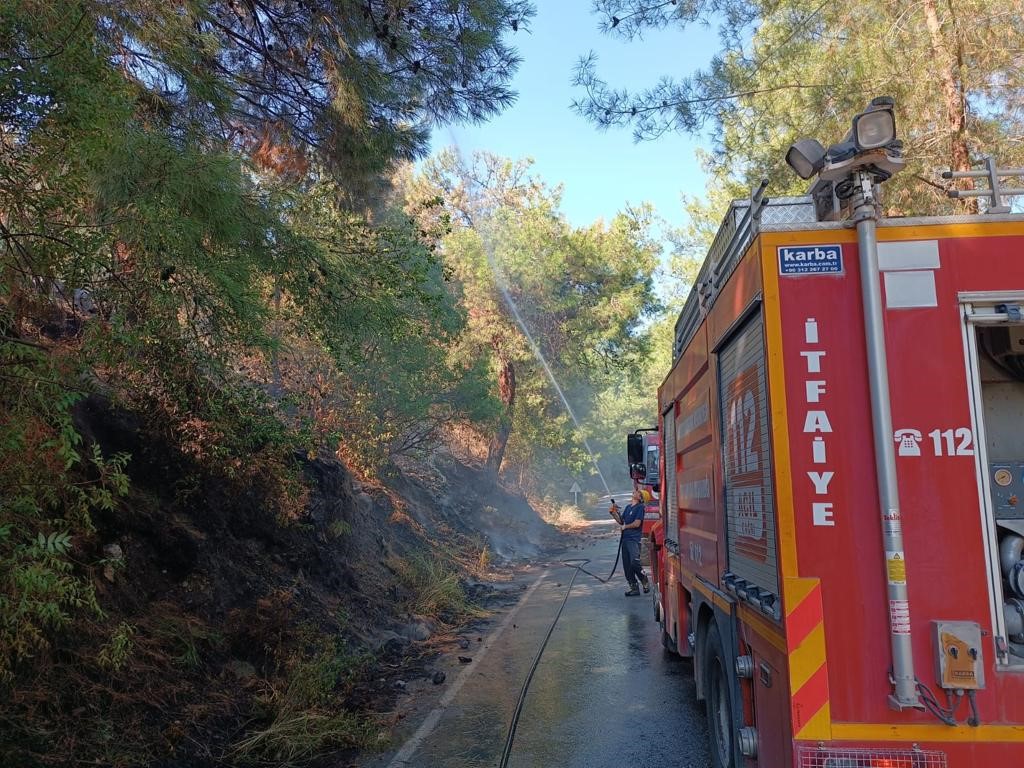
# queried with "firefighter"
point(631, 521)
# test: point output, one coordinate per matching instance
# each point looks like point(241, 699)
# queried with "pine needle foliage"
point(786, 70)
point(190, 192)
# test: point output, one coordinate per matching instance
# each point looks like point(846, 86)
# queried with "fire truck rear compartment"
point(1000, 351)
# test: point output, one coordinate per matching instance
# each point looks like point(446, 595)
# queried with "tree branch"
point(56, 51)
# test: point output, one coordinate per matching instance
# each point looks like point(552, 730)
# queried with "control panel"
point(959, 662)
point(1006, 478)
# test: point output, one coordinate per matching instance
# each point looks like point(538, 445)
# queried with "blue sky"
point(601, 170)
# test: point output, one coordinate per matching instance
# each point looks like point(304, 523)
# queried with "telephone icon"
point(909, 441)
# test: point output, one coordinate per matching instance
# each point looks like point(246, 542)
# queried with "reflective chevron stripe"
point(808, 669)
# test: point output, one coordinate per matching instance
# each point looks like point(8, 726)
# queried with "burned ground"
point(232, 637)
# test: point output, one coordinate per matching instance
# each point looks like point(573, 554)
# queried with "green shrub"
point(49, 486)
point(116, 652)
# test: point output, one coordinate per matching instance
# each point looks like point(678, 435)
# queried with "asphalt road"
point(605, 692)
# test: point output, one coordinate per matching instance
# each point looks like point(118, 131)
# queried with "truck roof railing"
point(737, 231)
point(995, 192)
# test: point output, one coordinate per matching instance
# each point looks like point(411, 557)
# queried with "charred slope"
point(232, 637)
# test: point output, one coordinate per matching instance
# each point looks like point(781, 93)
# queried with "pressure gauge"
point(1003, 477)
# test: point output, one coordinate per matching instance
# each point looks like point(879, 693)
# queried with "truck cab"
point(643, 449)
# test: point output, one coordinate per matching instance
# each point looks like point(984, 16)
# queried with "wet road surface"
point(605, 693)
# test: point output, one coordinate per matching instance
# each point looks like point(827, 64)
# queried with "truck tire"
point(718, 700)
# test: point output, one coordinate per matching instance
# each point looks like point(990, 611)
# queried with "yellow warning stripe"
point(797, 590)
point(923, 231)
point(807, 658)
point(924, 732)
point(711, 595)
point(808, 670)
point(763, 628)
point(888, 233)
point(819, 727)
point(785, 520)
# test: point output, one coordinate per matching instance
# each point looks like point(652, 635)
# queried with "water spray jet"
point(499, 280)
point(535, 348)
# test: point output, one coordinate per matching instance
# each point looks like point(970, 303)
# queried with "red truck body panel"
point(822, 660)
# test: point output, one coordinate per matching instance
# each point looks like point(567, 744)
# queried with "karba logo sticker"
point(810, 259)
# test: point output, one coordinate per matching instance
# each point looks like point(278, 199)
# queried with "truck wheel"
point(718, 700)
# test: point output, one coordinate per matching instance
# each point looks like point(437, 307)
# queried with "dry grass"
point(434, 589)
point(303, 715)
point(474, 557)
point(295, 736)
point(564, 516)
point(482, 564)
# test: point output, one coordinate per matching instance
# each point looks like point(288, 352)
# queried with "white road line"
point(428, 726)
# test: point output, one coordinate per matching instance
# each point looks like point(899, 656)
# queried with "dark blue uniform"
point(631, 538)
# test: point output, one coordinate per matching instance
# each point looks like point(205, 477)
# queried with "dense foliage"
point(538, 290)
point(193, 227)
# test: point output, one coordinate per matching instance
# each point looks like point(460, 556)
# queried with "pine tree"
point(185, 192)
point(803, 68)
point(581, 293)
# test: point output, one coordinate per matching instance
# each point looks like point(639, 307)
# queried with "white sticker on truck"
point(810, 259)
point(899, 617)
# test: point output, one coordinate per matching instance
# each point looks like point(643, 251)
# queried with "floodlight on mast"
point(854, 168)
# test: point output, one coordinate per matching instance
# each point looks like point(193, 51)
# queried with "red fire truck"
point(842, 475)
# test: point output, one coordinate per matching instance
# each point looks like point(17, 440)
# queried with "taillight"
point(890, 762)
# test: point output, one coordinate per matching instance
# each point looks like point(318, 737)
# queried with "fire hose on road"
point(579, 566)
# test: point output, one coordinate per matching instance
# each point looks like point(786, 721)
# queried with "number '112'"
point(950, 442)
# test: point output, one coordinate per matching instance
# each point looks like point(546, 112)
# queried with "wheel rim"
point(721, 720)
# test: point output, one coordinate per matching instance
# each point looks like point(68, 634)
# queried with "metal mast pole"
point(865, 215)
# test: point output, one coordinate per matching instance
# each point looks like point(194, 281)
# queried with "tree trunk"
point(954, 99)
point(277, 381)
point(507, 392)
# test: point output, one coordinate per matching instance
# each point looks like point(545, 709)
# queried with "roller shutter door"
point(670, 490)
point(746, 458)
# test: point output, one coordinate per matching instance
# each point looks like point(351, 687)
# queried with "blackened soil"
point(222, 605)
